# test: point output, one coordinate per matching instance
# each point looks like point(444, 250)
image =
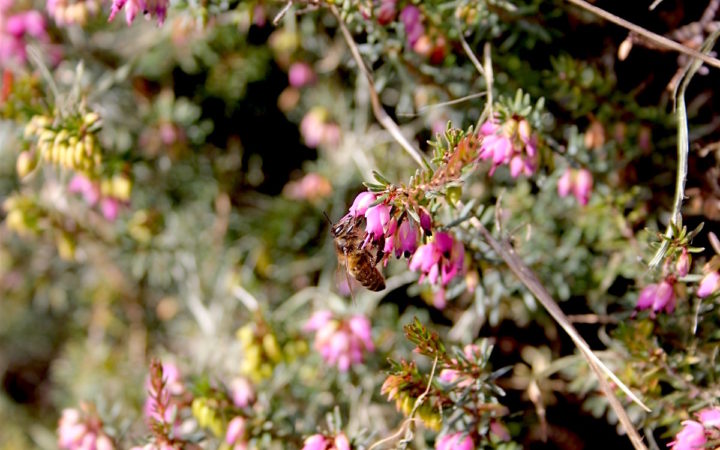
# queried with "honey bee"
point(359, 261)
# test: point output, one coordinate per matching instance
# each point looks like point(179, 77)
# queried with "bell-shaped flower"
point(691, 437)
point(361, 203)
point(377, 219)
point(709, 284)
point(316, 442)
point(455, 441)
point(659, 297)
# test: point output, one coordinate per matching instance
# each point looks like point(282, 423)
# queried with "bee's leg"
point(380, 253)
point(347, 276)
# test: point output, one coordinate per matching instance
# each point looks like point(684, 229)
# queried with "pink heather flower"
point(406, 239)
point(386, 12)
point(341, 342)
point(110, 208)
point(80, 430)
point(565, 183)
point(235, 430)
point(512, 144)
point(579, 182)
point(439, 298)
point(317, 130)
point(316, 442)
point(455, 441)
point(449, 376)
point(443, 258)
point(583, 186)
point(390, 237)
point(710, 417)
point(241, 392)
point(312, 186)
point(682, 265)
point(659, 297)
point(412, 20)
point(15, 30)
point(300, 74)
point(341, 442)
point(499, 430)
point(691, 437)
point(425, 221)
point(424, 259)
point(709, 284)
point(156, 8)
point(318, 320)
point(90, 191)
point(65, 13)
point(377, 218)
point(361, 203)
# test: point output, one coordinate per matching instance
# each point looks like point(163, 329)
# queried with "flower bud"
point(583, 186)
point(25, 164)
point(682, 265)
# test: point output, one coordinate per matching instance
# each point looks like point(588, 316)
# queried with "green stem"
point(683, 147)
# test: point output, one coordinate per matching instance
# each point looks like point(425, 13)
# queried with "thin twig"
point(282, 13)
point(655, 4)
point(469, 52)
point(530, 280)
point(382, 117)
point(654, 37)
point(447, 103)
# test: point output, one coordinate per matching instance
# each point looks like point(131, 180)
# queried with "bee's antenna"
point(328, 218)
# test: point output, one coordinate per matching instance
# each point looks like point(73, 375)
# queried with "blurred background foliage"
point(223, 228)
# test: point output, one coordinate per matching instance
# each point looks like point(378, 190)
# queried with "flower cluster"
point(24, 214)
point(15, 29)
point(511, 143)
point(341, 342)
point(72, 145)
point(322, 442)
point(261, 352)
point(455, 441)
point(312, 187)
point(695, 434)
point(82, 429)
point(111, 193)
point(579, 182)
point(429, 45)
point(206, 411)
point(658, 297)
point(440, 259)
point(72, 13)
point(156, 8)
point(317, 129)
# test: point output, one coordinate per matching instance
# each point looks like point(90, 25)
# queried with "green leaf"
point(381, 179)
